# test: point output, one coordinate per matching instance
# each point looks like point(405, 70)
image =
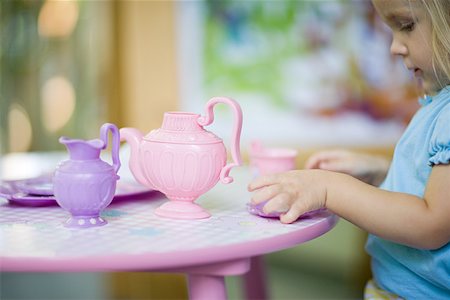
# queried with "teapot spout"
point(134, 137)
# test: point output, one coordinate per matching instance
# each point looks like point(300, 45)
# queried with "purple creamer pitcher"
point(84, 184)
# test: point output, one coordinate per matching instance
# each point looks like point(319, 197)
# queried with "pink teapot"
point(182, 159)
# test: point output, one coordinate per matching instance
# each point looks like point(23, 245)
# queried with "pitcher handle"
point(115, 142)
point(235, 140)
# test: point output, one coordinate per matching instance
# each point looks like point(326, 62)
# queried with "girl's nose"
point(398, 48)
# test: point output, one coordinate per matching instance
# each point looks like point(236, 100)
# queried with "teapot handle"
point(115, 142)
point(235, 140)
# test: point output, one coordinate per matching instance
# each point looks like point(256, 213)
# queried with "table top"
point(35, 239)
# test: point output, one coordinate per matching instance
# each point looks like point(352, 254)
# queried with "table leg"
point(207, 282)
point(206, 287)
point(255, 279)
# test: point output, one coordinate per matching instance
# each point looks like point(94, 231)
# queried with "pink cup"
point(266, 161)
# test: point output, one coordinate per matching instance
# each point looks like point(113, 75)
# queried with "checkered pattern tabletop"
point(133, 228)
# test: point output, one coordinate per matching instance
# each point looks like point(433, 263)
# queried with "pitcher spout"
point(134, 137)
point(82, 150)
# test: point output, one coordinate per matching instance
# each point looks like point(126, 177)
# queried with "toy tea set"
point(181, 159)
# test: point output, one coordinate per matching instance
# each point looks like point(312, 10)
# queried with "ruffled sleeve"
point(439, 149)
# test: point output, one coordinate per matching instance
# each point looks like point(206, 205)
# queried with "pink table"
point(228, 243)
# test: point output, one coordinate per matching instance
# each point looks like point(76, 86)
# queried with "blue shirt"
point(409, 272)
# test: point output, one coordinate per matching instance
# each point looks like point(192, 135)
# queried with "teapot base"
point(85, 222)
point(182, 210)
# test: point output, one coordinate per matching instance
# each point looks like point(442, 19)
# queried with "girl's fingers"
point(312, 163)
point(293, 213)
point(315, 161)
point(261, 182)
point(289, 217)
point(265, 193)
point(337, 166)
point(279, 203)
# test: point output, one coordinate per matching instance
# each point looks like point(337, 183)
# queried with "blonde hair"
point(439, 11)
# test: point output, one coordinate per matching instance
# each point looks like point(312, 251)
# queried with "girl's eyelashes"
point(409, 26)
point(402, 23)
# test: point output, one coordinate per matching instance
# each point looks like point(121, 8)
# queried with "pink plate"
point(39, 191)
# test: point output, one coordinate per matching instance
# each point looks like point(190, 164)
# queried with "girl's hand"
point(292, 193)
point(368, 168)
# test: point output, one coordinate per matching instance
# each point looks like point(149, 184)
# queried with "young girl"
point(408, 217)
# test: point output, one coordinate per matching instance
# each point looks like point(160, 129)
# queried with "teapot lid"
point(182, 128)
point(182, 137)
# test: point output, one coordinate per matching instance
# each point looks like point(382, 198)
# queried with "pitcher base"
point(85, 222)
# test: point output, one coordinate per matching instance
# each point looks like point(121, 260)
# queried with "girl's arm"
point(399, 217)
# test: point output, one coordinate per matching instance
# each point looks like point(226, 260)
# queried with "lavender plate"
point(126, 190)
point(41, 185)
point(258, 211)
point(39, 191)
point(20, 198)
